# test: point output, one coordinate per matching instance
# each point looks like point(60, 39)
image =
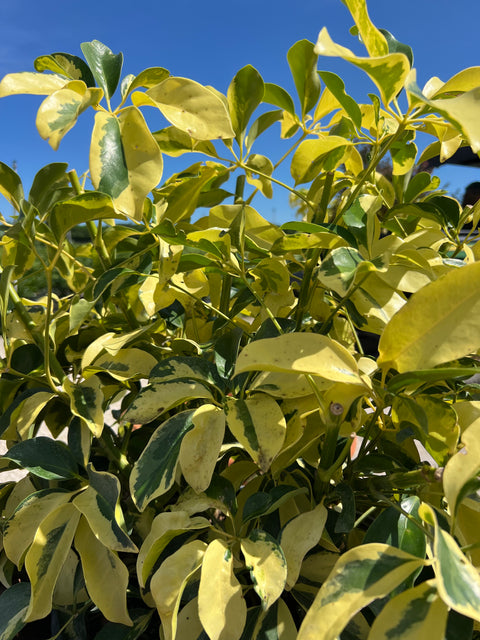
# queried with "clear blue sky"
point(209, 41)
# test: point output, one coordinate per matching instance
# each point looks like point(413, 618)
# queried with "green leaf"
point(267, 564)
point(192, 108)
point(160, 397)
point(396, 529)
point(261, 124)
point(11, 186)
point(154, 472)
point(44, 457)
point(416, 378)
point(115, 631)
point(46, 557)
point(438, 324)
point(186, 367)
point(20, 529)
point(244, 95)
point(200, 447)
point(104, 64)
point(106, 576)
point(13, 607)
point(261, 503)
point(99, 503)
point(218, 584)
point(50, 184)
point(394, 46)
point(302, 60)
point(361, 575)
point(300, 535)
point(183, 199)
point(337, 87)
point(416, 613)
point(307, 353)
point(273, 94)
point(169, 582)
point(259, 426)
point(147, 79)
point(389, 71)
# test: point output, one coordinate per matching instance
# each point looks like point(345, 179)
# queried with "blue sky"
point(209, 41)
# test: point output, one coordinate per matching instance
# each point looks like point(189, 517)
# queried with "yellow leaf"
point(106, 577)
point(201, 446)
point(30, 83)
point(299, 536)
point(170, 580)
point(462, 467)
point(309, 353)
point(439, 323)
point(221, 607)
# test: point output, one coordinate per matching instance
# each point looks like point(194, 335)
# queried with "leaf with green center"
point(44, 457)
point(458, 582)
point(80, 209)
point(439, 323)
point(267, 564)
point(416, 613)
point(244, 95)
point(360, 576)
point(86, 402)
point(389, 71)
point(104, 64)
point(13, 607)
point(261, 503)
point(65, 64)
point(154, 472)
point(99, 504)
point(46, 557)
point(160, 397)
point(259, 426)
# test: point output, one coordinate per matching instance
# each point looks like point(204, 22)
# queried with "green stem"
point(305, 289)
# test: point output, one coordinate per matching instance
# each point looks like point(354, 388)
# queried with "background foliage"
point(234, 436)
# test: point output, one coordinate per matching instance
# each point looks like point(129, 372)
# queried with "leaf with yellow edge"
point(193, 108)
point(221, 607)
point(300, 535)
point(416, 613)
point(462, 468)
point(165, 527)
point(200, 447)
point(458, 581)
point(309, 353)
point(86, 402)
point(99, 503)
point(389, 71)
point(361, 575)
point(58, 113)
point(462, 81)
point(170, 580)
point(259, 425)
point(106, 576)
point(439, 323)
point(267, 564)
point(46, 557)
point(20, 529)
point(125, 365)
point(30, 83)
point(307, 159)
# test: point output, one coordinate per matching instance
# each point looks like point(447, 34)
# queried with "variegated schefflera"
point(209, 446)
